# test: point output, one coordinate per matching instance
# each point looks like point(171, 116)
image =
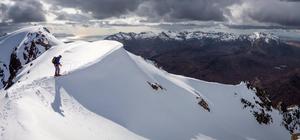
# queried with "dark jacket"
point(57, 60)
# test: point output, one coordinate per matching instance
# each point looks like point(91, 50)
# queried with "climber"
point(56, 62)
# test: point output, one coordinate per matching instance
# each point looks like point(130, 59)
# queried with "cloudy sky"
point(247, 12)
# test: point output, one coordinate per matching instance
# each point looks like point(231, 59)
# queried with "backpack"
point(53, 60)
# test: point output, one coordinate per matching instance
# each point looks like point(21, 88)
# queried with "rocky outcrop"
point(203, 104)
point(262, 107)
point(155, 86)
point(291, 119)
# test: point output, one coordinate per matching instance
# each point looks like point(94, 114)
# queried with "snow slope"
point(107, 93)
point(32, 110)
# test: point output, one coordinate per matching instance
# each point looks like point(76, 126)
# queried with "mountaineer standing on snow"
point(56, 62)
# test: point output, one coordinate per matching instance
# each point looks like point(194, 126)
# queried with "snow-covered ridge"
point(109, 93)
point(20, 48)
point(196, 35)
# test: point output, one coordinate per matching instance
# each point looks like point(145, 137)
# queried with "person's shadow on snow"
point(56, 104)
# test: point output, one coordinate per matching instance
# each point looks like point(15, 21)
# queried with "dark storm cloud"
point(3, 9)
point(274, 11)
point(202, 10)
point(168, 9)
point(23, 11)
point(26, 11)
point(291, 0)
point(100, 8)
point(283, 12)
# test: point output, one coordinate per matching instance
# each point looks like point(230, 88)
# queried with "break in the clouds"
point(283, 12)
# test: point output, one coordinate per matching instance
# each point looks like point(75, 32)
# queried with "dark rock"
point(204, 104)
point(155, 86)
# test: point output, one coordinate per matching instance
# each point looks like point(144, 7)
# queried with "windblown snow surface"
point(105, 93)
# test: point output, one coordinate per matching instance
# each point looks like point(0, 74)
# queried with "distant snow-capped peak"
point(265, 36)
point(198, 35)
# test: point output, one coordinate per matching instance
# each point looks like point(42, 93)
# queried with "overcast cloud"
point(171, 10)
point(283, 12)
point(272, 11)
point(22, 11)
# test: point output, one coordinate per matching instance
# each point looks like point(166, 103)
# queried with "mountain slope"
point(264, 60)
point(31, 108)
point(102, 80)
